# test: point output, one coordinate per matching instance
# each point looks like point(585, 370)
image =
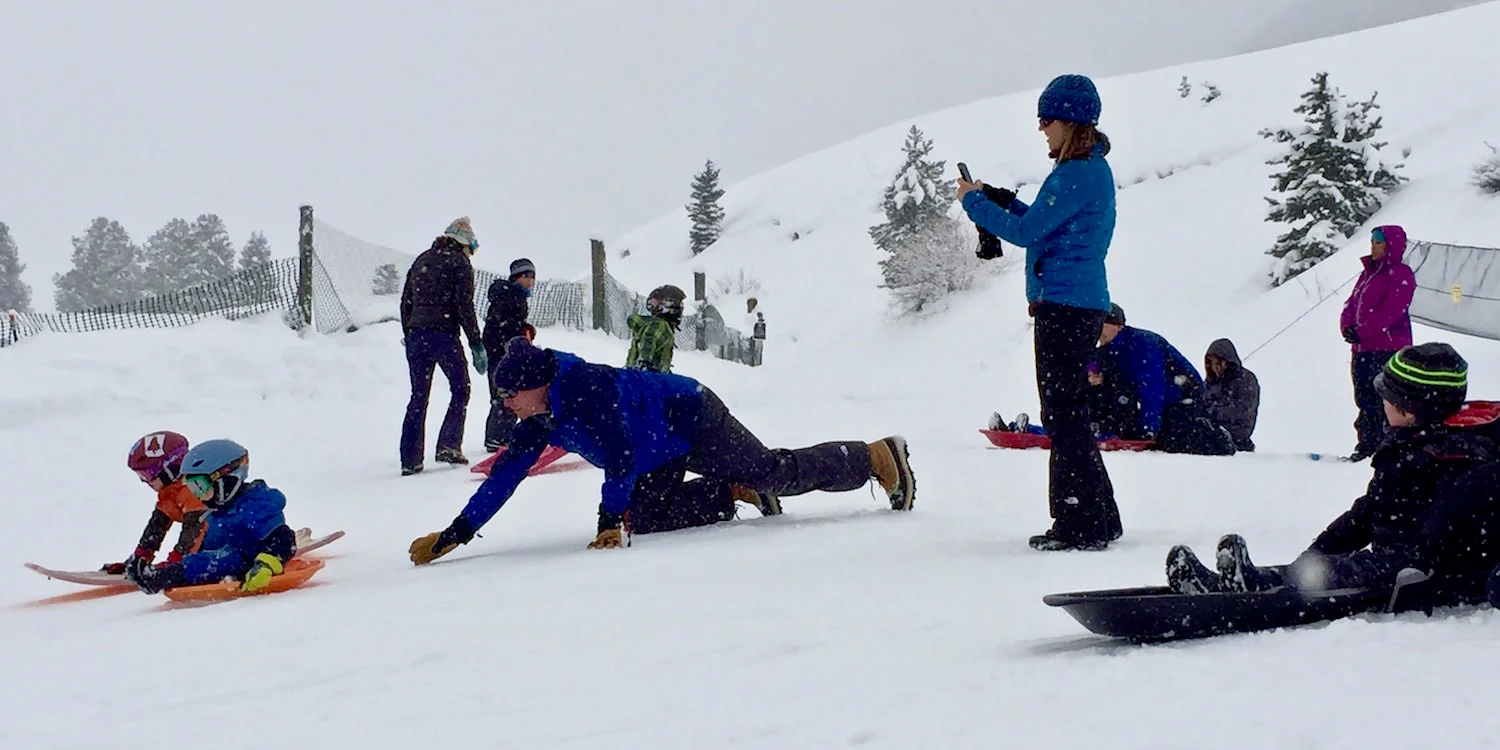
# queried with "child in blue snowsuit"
point(247, 538)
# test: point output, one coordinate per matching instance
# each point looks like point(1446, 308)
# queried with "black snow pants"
point(1313, 572)
point(1080, 496)
point(500, 425)
point(1370, 425)
point(726, 453)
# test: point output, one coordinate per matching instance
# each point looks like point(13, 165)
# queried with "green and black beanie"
point(1429, 380)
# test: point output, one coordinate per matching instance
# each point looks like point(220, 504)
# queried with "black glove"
point(999, 196)
point(1351, 335)
point(151, 579)
point(458, 532)
point(989, 246)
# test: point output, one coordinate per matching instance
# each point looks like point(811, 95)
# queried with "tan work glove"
point(425, 549)
point(607, 539)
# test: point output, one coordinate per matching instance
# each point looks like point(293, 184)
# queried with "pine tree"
point(1213, 92)
point(931, 264)
point(705, 212)
point(1184, 89)
point(106, 269)
point(15, 294)
point(213, 252)
point(917, 199)
point(257, 250)
point(1486, 172)
point(162, 254)
point(387, 280)
point(1333, 178)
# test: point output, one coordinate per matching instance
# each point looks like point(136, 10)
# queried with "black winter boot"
point(1186, 574)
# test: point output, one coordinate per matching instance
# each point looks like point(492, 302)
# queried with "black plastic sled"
point(1156, 614)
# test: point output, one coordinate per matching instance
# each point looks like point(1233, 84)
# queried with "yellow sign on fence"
point(1458, 293)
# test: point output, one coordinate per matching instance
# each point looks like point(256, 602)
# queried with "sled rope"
point(1309, 310)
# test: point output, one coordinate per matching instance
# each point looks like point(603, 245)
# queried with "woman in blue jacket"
point(1066, 232)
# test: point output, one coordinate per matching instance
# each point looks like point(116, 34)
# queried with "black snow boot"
point(1186, 574)
point(450, 456)
point(1236, 571)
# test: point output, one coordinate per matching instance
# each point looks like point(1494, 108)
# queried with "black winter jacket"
point(1412, 468)
point(1232, 400)
point(506, 317)
point(439, 292)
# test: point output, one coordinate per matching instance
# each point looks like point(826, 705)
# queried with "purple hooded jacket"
point(1379, 306)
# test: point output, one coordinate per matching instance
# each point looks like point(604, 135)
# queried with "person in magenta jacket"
point(1377, 323)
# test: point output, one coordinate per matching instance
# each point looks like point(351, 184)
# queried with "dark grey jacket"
point(1234, 399)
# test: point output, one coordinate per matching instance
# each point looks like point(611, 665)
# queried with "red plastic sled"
point(1025, 440)
point(549, 456)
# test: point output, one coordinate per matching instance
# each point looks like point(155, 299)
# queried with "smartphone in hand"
point(963, 170)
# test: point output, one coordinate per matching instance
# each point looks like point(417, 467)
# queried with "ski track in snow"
point(841, 623)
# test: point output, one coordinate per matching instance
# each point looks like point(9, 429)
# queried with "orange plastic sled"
point(294, 574)
point(1024, 440)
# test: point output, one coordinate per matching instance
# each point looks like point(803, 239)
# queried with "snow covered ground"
point(840, 623)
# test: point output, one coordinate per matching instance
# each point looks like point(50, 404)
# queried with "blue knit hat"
point(524, 367)
point(1070, 98)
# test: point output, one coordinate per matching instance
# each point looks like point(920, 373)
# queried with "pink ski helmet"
point(158, 456)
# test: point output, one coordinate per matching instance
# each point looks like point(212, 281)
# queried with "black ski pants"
point(1079, 493)
point(725, 453)
point(1371, 424)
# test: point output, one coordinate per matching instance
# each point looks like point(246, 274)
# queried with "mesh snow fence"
point(1458, 287)
point(265, 287)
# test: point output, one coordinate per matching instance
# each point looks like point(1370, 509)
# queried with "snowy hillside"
point(839, 624)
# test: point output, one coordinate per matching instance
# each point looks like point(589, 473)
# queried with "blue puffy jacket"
point(1066, 231)
point(236, 534)
point(1155, 368)
point(626, 422)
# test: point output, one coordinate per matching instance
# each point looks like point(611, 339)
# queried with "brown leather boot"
point(768, 505)
point(890, 465)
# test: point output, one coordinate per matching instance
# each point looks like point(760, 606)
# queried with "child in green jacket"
point(652, 336)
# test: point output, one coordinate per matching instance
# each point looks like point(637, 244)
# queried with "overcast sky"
point(544, 120)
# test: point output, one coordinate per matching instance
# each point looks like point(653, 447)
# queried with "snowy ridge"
point(839, 624)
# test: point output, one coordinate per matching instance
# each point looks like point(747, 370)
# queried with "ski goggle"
point(147, 475)
point(199, 484)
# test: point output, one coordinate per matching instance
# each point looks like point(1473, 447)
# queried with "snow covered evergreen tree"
point(1212, 92)
point(15, 294)
point(917, 200)
point(387, 280)
point(162, 253)
point(931, 264)
point(928, 255)
point(705, 212)
point(256, 250)
point(213, 252)
point(1333, 178)
point(1184, 89)
point(182, 254)
point(1486, 173)
point(106, 269)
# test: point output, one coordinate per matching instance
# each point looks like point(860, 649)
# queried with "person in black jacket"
point(504, 320)
point(1231, 393)
point(1389, 527)
point(438, 301)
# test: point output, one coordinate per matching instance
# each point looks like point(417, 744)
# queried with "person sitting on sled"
point(157, 459)
point(1111, 410)
point(247, 537)
point(1386, 530)
point(1167, 386)
point(646, 430)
